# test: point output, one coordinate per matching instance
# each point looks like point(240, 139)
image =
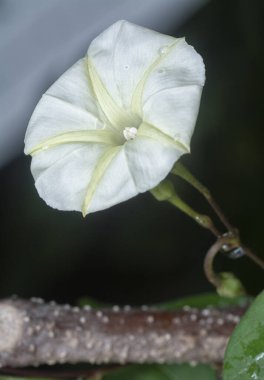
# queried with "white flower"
point(114, 124)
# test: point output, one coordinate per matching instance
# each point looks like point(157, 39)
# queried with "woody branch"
point(33, 333)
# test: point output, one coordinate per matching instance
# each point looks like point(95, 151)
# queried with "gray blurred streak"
point(39, 40)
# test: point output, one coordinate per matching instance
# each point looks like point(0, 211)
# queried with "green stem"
point(233, 233)
point(165, 192)
point(228, 240)
point(203, 220)
point(184, 173)
point(226, 283)
point(209, 260)
point(253, 257)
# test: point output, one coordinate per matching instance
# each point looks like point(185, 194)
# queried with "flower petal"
point(152, 132)
point(150, 161)
point(74, 87)
point(69, 105)
point(115, 185)
point(75, 179)
point(93, 136)
point(171, 95)
point(181, 66)
point(99, 171)
point(116, 115)
point(63, 182)
point(121, 56)
point(174, 111)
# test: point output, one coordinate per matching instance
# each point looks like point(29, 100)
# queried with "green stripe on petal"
point(117, 116)
point(137, 96)
point(149, 131)
point(99, 171)
point(85, 136)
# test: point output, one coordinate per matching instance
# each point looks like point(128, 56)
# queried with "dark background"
point(143, 251)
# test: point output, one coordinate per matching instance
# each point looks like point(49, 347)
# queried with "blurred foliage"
point(207, 300)
point(163, 372)
point(199, 301)
point(143, 251)
point(146, 372)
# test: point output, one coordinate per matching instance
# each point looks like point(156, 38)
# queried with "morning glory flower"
point(114, 124)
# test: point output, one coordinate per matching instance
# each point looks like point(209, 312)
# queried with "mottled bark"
point(34, 333)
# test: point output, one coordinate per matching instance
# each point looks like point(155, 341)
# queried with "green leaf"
point(206, 300)
point(162, 372)
point(149, 372)
point(244, 358)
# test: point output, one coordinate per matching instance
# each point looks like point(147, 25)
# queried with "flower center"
point(130, 133)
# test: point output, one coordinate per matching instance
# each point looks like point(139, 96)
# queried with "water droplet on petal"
point(163, 50)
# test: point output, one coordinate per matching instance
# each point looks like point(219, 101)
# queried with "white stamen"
point(130, 133)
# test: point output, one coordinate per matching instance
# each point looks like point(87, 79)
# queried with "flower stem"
point(226, 240)
point(165, 192)
point(226, 283)
point(185, 174)
point(230, 240)
point(257, 260)
point(203, 220)
point(208, 262)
